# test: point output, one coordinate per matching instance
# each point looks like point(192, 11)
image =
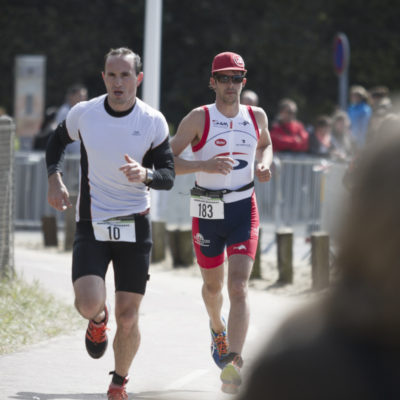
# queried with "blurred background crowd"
point(287, 47)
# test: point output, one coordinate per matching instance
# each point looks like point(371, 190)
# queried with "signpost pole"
point(341, 61)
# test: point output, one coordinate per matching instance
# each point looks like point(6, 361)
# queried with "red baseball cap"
point(227, 61)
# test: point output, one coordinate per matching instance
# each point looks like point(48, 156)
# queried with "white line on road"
point(179, 383)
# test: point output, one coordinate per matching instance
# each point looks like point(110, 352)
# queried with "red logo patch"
point(220, 142)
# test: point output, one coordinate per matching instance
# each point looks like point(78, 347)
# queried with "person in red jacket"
point(288, 134)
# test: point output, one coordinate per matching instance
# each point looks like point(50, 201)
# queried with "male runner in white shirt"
point(124, 151)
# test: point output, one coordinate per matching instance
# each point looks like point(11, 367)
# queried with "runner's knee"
point(89, 308)
point(127, 321)
point(237, 290)
point(212, 289)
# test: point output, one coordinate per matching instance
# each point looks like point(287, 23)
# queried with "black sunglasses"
point(229, 78)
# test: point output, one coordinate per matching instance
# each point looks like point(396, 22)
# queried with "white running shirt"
point(104, 190)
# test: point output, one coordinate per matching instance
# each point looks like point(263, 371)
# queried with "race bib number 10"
point(114, 230)
point(206, 208)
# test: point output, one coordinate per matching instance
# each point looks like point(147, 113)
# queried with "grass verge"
point(29, 314)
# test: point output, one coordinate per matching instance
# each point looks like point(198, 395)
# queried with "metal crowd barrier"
point(31, 187)
point(305, 192)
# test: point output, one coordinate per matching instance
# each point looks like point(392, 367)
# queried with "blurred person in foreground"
point(125, 151)
point(249, 97)
point(75, 94)
point(388, 128)
point(231, 146)
point(359, 112)
point(347, 345)
point(287, 133)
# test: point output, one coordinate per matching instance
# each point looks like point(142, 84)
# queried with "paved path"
point(173, 361)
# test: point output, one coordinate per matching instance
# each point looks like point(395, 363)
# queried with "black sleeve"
point(55, 148)
point(162, 159)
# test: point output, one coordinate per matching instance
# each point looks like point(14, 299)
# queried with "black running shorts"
point(130, 260)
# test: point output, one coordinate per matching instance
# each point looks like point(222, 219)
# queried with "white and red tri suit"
point(237, 138)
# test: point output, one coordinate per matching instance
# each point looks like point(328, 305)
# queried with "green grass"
point(29, 315)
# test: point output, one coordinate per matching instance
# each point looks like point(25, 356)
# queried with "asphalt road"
point(173, 361)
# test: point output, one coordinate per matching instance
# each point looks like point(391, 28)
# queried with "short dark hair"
point(323, 121)
point(124, 51)
point(379, 91)
point(74, 89)
point(287, 104)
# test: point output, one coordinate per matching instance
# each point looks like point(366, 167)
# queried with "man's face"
point(323, 131)
point(228, 92)
point(355, 98)
point(121, 81)
point(287, 114)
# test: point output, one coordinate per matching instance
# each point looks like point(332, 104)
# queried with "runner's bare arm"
point(264, 147)
point(189, 132)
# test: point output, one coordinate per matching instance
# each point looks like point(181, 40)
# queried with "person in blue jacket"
point(359, 112)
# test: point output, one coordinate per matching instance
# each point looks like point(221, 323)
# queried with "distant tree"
point(287, 46)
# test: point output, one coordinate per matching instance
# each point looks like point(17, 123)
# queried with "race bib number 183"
point(114, 230)
point(206, 207)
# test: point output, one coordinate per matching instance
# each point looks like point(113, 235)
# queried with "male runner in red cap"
point(227, 138)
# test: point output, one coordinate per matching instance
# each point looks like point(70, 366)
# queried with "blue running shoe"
point(219, 346)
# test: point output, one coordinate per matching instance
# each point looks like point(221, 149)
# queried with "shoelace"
point(220, 340)
point(97, 332)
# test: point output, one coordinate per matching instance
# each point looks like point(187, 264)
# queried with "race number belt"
point(114, 230)
point(209, 204)
point(221, 192)
point(120, 229)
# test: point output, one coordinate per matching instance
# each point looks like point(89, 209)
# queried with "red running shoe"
point(117, 392)
point(96, 337)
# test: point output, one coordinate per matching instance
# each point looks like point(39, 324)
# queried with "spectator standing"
point(75, 94)
point(381, 106)
point(359, 112)
point(49, 124)
point(288, 134)
point(341, 136)
point(249, 98)
point(321, 143)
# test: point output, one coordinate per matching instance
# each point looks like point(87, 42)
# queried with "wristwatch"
point(149, 177)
